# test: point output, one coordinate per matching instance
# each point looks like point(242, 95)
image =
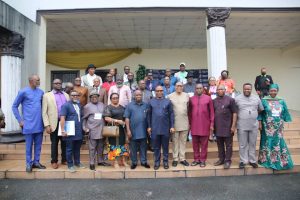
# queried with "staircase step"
point(212, 153)
point(16, 170)
point(289, 139)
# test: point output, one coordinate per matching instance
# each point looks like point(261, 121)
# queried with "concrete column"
point(10, 85)
point(12, 54)
point(42, 52)
point(216, 41)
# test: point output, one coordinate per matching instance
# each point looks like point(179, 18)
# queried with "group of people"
point(148, 113)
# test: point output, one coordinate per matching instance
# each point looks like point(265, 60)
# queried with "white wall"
point(29, 7)
point(244, 65)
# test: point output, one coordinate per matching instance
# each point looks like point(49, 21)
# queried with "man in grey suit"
point(146, 94)
point(93, 124)
point(249, 106)
point(101, 91)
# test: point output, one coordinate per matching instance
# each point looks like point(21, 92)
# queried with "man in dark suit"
point(160, 125)
point(262, 83)
point(151, 83)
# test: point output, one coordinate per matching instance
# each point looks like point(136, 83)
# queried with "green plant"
point(140, 73)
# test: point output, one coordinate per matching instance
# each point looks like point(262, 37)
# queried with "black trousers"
point(222, 142)
point(54, 146)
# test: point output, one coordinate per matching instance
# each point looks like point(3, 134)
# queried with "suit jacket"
point(102, 92)
point(151, 84)
point(259, 84)
point(49, 110)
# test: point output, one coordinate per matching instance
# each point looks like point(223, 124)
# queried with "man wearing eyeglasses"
point(72, 111)
point(52, 103)
point(160, 125)
point(180, 101)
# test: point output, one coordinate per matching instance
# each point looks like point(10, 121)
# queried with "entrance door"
point(65, 76)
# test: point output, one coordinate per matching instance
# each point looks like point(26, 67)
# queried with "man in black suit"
point(262, 83)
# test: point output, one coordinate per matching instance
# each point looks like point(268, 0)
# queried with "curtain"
point(81, 59)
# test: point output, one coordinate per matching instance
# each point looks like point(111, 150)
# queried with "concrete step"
point(212, 153)
point(287, 132)
point(15, 169)
point(289, 139)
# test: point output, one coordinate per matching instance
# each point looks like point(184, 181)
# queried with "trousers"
point(200, 142)
point(33, 140)
point(158, 142)
point(179, 142)
point(247, 145)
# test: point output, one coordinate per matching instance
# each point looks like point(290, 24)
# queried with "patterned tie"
point(76, 107)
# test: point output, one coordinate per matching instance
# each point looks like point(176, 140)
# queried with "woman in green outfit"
point(273, 151)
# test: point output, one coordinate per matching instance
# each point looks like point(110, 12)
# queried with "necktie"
point(76, 107)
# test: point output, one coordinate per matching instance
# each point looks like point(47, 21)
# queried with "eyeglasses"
point(158, 90)
point(77, 80)
point(115, 98)
point(57, 83)
point(179, 86)
point(74, 95)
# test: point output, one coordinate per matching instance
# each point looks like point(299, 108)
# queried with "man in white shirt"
point(126, 71)
point(181, 75)
point(88, 79)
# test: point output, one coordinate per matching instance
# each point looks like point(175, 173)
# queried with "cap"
point(94, 93)
point(182, 64)
point(91, 66)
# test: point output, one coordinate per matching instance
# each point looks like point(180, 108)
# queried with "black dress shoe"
point(227, 165)
point(219, 162)
point(133, 166)
point(156, 167)
point(28, 168)
point(39, 166)
point(254, 165)
point(166, 165)
point(92, 167)
point(104, 164)
point(241, 165)
point(185, 163)
point(146, 165)
point(174, 163)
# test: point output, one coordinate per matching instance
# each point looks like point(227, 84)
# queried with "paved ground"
point(241, 187)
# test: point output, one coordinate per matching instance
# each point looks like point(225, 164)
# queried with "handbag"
point(110, 131)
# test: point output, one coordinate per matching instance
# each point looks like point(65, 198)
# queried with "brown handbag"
point(110, 131)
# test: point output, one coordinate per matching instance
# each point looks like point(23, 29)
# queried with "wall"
point(14, 21)
point(244, 65)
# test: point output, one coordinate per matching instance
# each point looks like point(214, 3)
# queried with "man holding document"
point(71, 130)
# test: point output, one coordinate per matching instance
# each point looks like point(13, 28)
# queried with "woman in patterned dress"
point(273, 151)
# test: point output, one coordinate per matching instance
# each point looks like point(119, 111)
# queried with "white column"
point(10, 85)
point(42, 52)
point(216, 41)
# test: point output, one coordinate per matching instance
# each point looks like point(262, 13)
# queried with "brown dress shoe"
point(54, 165)
point(64, 163)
